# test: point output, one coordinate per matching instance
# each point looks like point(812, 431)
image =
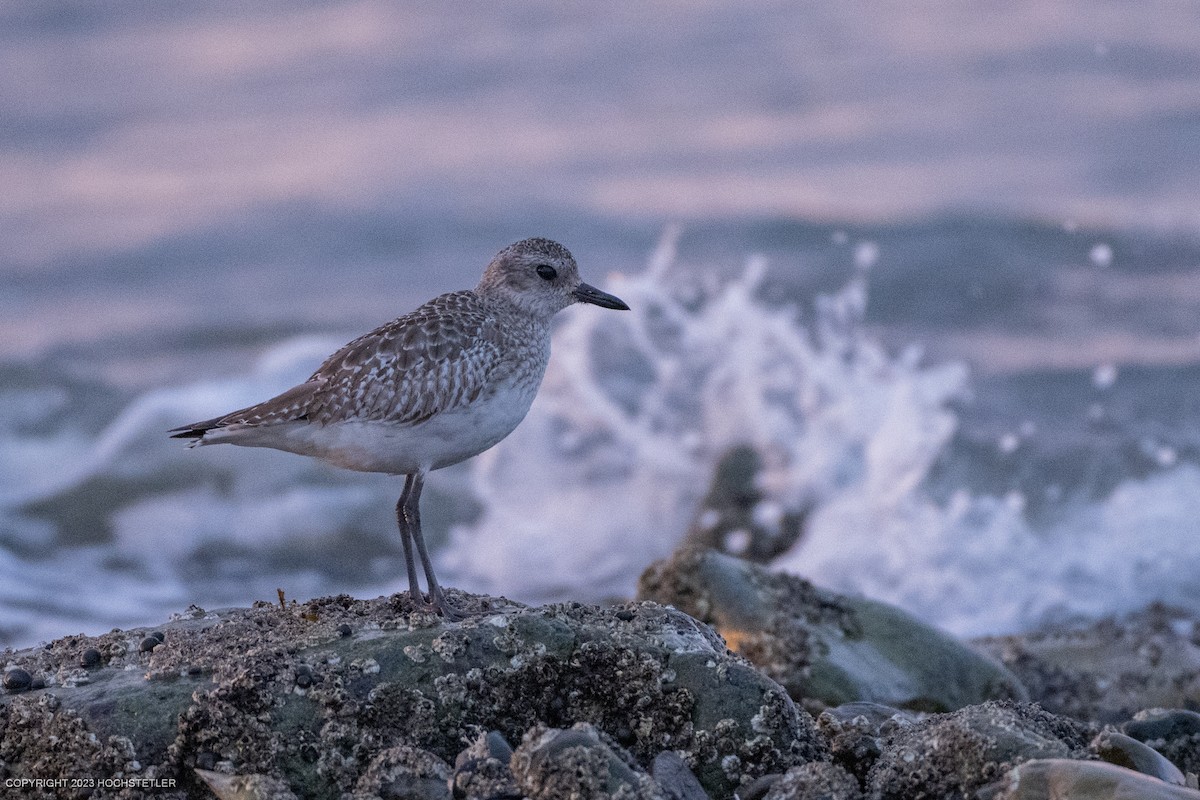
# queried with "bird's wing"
point(435, 358)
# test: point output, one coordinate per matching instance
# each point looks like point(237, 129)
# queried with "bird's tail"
point(195, 432)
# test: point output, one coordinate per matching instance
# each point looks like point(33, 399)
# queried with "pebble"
point(89, 658)
point(1163, 724)
point(497, 747)
point(17, 680)
point(304, 676)
point(149, 643)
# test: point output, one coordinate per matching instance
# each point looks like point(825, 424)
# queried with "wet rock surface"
point(826, 649)
point(283, 694)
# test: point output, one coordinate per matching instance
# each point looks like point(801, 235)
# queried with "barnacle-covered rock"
point(284, 693)
point(954, 755)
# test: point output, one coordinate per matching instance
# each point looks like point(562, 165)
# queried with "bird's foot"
point(447, 612)
point(450, 613)
point(438, 604)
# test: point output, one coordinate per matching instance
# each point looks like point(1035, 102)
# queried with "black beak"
point(590, 294)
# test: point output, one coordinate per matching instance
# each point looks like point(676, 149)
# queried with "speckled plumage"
point(429, 389)
point(460, 352)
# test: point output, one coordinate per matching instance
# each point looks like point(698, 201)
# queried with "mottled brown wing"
point(437, 358)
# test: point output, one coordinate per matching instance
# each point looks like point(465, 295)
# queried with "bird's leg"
point(412, 511)
point(406, 538)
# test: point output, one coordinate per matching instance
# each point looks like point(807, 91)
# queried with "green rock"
point(282, 693)
point(827, 649)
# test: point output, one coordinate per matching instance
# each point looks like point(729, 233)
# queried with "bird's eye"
point(546, 272)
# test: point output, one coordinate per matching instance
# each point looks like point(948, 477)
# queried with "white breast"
point(402, 448)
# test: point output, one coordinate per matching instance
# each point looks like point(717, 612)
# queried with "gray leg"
point(412, 512)
point(406, 538)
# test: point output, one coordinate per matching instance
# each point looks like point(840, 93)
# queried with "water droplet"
point(1104, 376)
point(736, 541)
point(865, 255)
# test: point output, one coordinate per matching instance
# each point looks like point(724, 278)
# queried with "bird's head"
point(540, 276)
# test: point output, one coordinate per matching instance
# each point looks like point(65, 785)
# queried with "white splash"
point(607, 470)
point(606, 473)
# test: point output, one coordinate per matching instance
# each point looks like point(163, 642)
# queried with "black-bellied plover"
point(427, 390)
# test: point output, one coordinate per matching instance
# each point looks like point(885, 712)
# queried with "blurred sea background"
point(937, 262)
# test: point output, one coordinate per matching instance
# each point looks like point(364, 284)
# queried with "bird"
point(430, 389)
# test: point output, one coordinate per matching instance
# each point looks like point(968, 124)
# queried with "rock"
point(1081, 780)
point(579, 762)
point(404, 773)
point(1117, 748)
point(90, 658)
point(954, 755)
point(731, 519)
point(245, 787)
point(482, 770)
point(1173, 732)
point(815, 781)
point(856, 732)
point(552, 764)
point(17, 680)
point(826, 649)
point(757, 789)
point(1108, 670)
point(281, 692)
point(675, 779)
